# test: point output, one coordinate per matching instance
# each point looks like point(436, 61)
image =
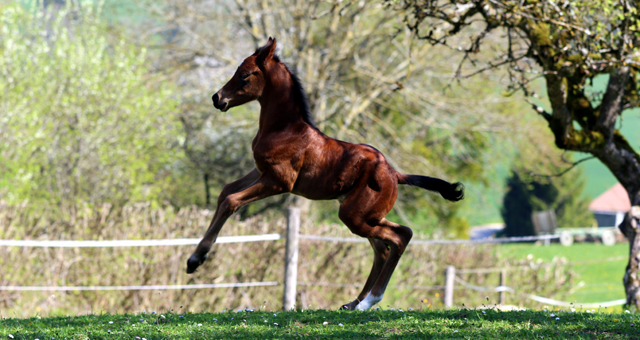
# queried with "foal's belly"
point(331, 181)
point(320, 187)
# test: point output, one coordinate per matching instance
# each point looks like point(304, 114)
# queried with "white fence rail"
point(428, 242)
point(147, 287)
point(291, 264)
point(134, 243)
point(540, 299)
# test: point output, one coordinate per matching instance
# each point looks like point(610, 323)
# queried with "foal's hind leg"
point(397, 237)
point(363, 212)
point(380, 254)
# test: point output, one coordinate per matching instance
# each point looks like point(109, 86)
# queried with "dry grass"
point(325, 262)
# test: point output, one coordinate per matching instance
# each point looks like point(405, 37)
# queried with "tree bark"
point(631, 280)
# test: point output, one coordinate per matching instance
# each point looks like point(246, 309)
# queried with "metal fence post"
point(291, 259)
point(449, 280)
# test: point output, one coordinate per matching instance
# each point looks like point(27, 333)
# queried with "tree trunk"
point(629, 228)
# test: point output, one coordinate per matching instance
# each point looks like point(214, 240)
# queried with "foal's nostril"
point(215, 100)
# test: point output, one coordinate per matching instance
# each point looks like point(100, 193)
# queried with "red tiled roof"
point(614, 199)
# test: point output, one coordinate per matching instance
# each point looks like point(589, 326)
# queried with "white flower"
point(573, 310)
point(110, 322)
point(483, 312)
point(455, 331)
point(265, 320)
point(11, 336)
point(275, 323)
point(239, 310)
point(557, 319)
point(626, 311)
point(199, 325)
point(215, 319)
point(325, 323)
point(341, 325)
point(552, 315)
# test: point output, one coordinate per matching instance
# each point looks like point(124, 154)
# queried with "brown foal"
point(292, 155)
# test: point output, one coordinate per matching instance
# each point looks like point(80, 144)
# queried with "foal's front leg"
point(250, 188)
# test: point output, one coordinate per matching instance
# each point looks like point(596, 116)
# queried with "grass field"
point(321, 324)
point(599, 268)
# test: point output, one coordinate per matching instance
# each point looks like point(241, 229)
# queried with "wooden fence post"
point(503, 282)
point(291, 259)
point(449, 280)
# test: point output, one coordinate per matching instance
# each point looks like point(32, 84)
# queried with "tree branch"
point(613, 100)
point(563, 171)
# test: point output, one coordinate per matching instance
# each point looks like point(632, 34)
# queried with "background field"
point(598, 268)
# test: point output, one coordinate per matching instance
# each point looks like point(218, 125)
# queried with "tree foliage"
point(566, 43)
point(82, 118)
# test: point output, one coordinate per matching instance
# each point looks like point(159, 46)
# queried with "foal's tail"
point(450, 191)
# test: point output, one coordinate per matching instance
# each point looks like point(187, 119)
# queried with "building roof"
point(614, 200)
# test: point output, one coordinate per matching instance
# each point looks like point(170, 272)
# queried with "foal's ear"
point(266, 52)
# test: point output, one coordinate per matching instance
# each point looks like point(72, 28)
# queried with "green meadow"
point(323, 324)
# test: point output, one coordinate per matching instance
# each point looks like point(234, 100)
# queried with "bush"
point(83, 119)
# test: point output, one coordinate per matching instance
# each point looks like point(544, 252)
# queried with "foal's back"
point(331, 168)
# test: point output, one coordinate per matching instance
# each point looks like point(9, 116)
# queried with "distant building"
point(610, 207)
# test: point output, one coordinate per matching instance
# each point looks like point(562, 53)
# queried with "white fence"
point(291, 265)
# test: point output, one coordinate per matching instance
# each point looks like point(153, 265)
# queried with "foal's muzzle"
point(218, 103)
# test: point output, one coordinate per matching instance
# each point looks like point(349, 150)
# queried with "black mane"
point(300, 96)
point(298, 91)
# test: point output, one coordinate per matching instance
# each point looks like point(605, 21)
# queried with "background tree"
point(365, 79)
point(529, 192)
point(567, 44)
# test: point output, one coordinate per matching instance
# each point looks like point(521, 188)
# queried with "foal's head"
point(248, 82)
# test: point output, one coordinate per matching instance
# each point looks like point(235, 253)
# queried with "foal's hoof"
point(349, 306)
point(194, 262)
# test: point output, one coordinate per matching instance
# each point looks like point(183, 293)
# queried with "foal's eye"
point(244, 76)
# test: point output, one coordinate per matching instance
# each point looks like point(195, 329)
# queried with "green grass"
point(428, 324)
point(600, 268)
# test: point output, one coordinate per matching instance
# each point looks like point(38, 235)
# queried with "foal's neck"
point(279, 106)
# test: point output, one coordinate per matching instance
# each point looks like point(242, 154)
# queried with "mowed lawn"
point(599, 268)
point(321, 324)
